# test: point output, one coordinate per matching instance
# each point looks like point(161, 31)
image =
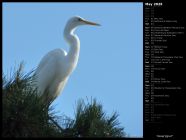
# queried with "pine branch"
point(26, 115)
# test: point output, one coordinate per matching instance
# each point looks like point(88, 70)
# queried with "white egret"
point(56, 66)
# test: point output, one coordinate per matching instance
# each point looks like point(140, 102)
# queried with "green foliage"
point(25, 115)
point(91, 121)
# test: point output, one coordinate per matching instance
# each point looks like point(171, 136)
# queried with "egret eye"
point(79, 19)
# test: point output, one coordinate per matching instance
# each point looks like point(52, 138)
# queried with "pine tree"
point(25, 115)
point(91, 121)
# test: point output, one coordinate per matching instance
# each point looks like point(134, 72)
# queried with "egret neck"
point(74, 43)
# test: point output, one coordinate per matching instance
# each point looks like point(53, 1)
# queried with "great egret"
point(56, 66)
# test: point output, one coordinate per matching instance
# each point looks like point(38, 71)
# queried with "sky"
point(110, 66)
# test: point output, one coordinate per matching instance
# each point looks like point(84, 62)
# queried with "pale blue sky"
point(110, 66)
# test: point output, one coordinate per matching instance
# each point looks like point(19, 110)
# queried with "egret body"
point(56, 66)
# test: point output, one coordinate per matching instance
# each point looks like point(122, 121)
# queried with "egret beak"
point(90, 23)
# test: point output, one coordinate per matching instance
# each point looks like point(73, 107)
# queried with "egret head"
point(77, 21)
